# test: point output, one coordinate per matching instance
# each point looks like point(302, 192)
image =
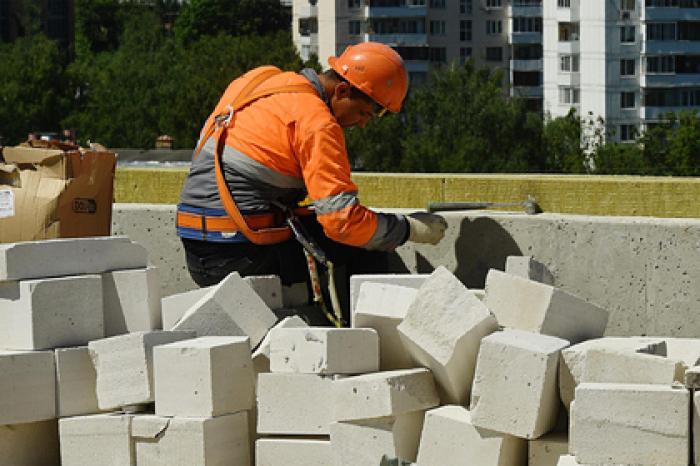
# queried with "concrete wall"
point(644, 270)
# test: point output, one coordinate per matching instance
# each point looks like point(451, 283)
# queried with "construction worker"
point(275, 138)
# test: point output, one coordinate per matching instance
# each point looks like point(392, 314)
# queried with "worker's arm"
point(326, 172)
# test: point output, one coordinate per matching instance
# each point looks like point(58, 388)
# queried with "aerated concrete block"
point(450, 439)
point(294, 452)
point(408, 280)
point(231, 308)
point(529, 268)
point(696, 426)
point(546, 450)
point(27, 386)
point(567, 460)
point(269, 288)
point(515, 387)
point(75, 383)
point(204, 377)
point(46, 313)
point(74, 256)
point(366, 441)
point(162, 441)
point(535, 307)
point(173, 307)
point(383, 307)
point(630, 424)
point(31, 444)
point(295, 295)
point(692, 378)
point(383, 394)
point(295, 404)
point(442, 330)
point(318, 350)
point(261, 356)
point(131, 301)
point(574, 362)
point(124, 366)
point(103, 439)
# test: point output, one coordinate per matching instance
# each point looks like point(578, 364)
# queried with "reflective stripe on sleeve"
point(336, 202)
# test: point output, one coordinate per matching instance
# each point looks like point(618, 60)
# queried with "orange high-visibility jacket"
point(281, 148)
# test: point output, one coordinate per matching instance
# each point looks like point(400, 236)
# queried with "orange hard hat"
point(375, 69)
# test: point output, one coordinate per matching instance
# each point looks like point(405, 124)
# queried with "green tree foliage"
point(562, 144)
point(33, 89)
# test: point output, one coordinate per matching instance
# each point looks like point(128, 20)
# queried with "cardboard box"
point(55, 191)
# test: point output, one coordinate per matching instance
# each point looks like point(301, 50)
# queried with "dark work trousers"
point(209, 263)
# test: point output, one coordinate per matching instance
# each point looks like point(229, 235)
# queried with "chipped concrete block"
point(442, 330)
point(630, 424)
point(269, 288)
point(383, 394)
point(535, 307)
point(567, 460)
point(98, 439)
point(686, 350)
point(261, 355)
point(131, 301)
point(124, 366)
point(32, 444)
point(450, 439)
point(515, 386)
point(27, 386)
point(383, 306)
point(529, 268)
point(546, 450)
point(295, 404)
point(74, 256)
point(321, 350)
point(602, 366)
point(294, 452)
point(75, 382)
point(692, 378)
point(230, 308)
point(173, 307)
point(573, 360)
point(51, 312)
point(366, 441)
point(408, 280)
point(163, 441)
point(204, 377)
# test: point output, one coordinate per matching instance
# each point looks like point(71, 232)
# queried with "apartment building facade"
point(628, 62)
point(505, 34)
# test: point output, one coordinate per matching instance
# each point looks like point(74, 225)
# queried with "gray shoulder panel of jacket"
point(392, 231)
point(254, 170)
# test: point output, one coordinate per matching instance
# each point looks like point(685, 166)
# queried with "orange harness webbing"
point(218, 128)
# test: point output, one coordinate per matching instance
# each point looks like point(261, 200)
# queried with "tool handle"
point(447, 206)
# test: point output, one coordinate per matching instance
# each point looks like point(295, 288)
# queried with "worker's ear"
point(343, 90)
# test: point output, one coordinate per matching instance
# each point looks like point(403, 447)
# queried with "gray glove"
point(426, 228)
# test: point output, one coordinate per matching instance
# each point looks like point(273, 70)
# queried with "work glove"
point(426, 228)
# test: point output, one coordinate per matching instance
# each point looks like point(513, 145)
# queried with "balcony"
point(658, 113)
point(526, 38)
point(528, 92)
point(671, 14)
point(396, 40)
point(529, 11)
point(670, 47)
point(568, 47)
point(417, 66)
point(526, 65)
point(669, 80)
point(396, 11)
point(308, 11)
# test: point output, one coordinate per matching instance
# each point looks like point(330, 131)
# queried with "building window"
point(438, 54)
point(628, 5)
point(437, 3)
point(627, 34)
point(569, 95)
point(437, 28)
point(627, 67)
point(493, 3)
point(465, 53)
point(626, 99)
point(569, 63)
point(494, 54)
point(564, 3)
point(465, 7)
point(465, 30)
point(661, 31)
point(354, 3)
point(663, 64)
point(494, 26)
point(355, 27)
point(568, 32)
point(525, 24)
point(628, 133)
